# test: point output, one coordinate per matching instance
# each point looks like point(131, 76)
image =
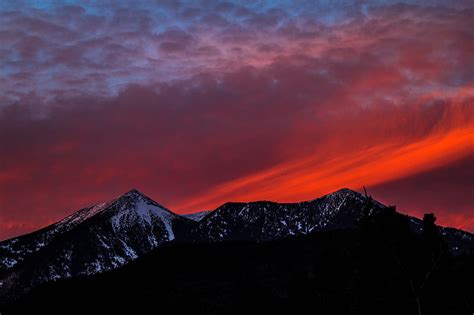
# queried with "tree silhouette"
point(432, 254)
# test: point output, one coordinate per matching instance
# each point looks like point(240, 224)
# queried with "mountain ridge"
point(109, 235)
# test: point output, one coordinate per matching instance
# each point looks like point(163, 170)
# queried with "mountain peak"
point(347, 191)
point(135, 195)
point(134, 192)
point(341, 193)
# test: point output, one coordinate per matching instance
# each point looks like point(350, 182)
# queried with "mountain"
point(92, 240)
point(266, 220)
point(109, 235)
point(196, 216)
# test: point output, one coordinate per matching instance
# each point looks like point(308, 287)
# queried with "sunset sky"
point(196, 103)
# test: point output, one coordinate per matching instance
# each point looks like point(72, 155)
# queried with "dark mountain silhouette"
point(341, 253)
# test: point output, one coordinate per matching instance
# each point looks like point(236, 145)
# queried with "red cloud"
point(281, 112)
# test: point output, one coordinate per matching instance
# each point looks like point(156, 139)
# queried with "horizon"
point(197, 103)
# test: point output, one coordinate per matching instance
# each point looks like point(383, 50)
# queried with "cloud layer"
point(199, 103)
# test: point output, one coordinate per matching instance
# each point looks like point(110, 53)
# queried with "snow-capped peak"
point(131, 197)
point(134, 193)
point(136, 208)
point(137, 196)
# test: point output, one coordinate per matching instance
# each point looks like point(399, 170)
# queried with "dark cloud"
point(446, 191)
point(147, 42)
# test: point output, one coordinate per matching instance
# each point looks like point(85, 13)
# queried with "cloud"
point(196, 105)
point(98, 49)
point(435, 191)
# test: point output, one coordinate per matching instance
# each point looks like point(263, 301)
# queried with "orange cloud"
point(306, 178)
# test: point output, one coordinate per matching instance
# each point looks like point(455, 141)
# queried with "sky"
point(196, 103)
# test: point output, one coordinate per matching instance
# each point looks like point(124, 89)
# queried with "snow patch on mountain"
point(166, 219)
point(197, 216)
point(128, 250)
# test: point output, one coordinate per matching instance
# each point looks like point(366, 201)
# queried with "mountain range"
point(109, 235)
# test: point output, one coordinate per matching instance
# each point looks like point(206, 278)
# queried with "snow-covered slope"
point(15, 250)
point(197, 216)
point(92, 240)
point(266, 220)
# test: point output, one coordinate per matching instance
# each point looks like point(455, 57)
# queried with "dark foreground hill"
point(380, 267)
